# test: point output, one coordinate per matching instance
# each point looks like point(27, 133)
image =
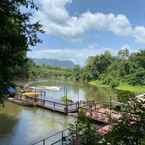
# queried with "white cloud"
point(139, 33)
point(57, 21)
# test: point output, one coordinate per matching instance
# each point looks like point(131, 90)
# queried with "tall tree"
point(123, 54)
point(17, 32)
point(97, 65)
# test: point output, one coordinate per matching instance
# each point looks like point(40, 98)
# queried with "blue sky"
point(76, 29)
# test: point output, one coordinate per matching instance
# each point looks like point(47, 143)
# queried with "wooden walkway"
point(58, 106)
point(52, 105)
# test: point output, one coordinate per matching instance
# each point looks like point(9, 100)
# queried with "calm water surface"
point(77, 91)
point(22, 125)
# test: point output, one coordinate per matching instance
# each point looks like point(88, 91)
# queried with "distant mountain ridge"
point(55, 62)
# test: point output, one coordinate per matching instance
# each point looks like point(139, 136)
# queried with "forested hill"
point(55, 63)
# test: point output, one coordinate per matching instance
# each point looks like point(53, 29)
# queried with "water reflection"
point(8, 118)
point(76, 91)
point(29, 124)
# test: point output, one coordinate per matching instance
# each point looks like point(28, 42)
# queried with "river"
point(23, 125)
point(77, 91)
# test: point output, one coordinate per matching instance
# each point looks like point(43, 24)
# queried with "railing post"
point(44, 142)
point(78, 106)
point(62, 137)
point(54, 106)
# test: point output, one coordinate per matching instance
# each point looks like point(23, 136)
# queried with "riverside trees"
point(112, 70)
point(17, 32)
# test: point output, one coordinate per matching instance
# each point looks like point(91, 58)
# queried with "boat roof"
point(52, 88)
point(31, 94)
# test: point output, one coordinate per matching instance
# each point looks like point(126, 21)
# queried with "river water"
point(77, 91)
point(23, 125)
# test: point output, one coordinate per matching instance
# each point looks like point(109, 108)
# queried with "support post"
point(110, 109)
point(44, 142)
point(66, 101)
point(62, 138)
point(54, 106)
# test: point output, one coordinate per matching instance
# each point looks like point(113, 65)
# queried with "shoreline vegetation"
point(121, 87)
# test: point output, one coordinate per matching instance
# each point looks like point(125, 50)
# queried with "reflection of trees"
point(10, 109)
point(8, 118)
point(99, 94)
point(7, 123)
point(49, 120)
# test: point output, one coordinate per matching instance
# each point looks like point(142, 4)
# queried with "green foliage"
point(137, 78)
point(112, 71)
point(45, 71)
point(96, 66)
point(127, 133)
point(84, 132)
point(111, 81)
point(123, 54)
point(16, 34)
point(77, 72)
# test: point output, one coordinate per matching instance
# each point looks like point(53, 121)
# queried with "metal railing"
point(59, 138)
point(54, 105)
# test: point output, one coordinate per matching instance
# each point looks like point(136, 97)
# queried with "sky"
point(77, 29)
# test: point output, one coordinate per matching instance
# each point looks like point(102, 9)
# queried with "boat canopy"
point(11, 90)
point(51, 88)
point(31, 94)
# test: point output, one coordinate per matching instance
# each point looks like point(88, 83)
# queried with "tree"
point(77, 72)
point(131, 129)
point(97, 65)
point(137, 78)
point(139, 58)
point(123, 54)
point(17, 33)
point(83, 132)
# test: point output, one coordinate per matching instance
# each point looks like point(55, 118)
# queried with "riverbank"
point(121, 87)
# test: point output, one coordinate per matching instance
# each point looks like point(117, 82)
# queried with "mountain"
point(55, 62)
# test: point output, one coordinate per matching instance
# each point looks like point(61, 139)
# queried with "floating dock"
point(47, 104)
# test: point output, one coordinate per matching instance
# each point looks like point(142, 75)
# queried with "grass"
point(122, 87)
point(134, 89)
point(98, 83)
